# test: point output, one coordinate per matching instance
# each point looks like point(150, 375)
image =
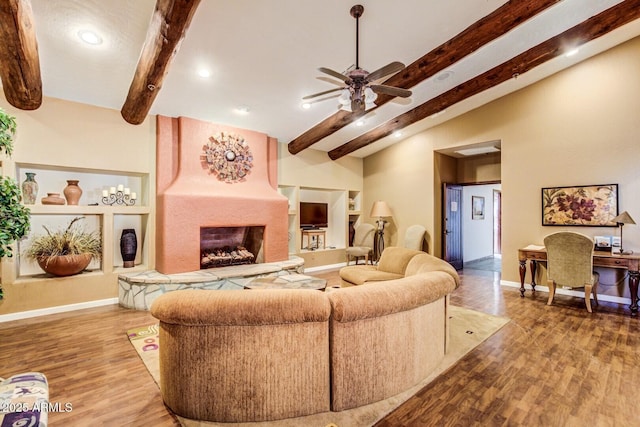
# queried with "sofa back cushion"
point(423, 263)
point(241, 308)
point(395, 259)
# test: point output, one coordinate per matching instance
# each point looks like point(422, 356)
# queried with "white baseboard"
point(601, 297)
point(58, 309)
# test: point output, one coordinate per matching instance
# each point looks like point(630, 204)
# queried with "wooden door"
point(452, 225)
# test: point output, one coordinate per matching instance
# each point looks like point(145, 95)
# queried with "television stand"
point(316, 238)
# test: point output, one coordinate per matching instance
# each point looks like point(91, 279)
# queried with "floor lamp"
point(621, 220)
point(379, 210)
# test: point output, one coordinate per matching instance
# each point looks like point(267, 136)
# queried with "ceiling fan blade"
point(390, 90)
point(335, 74)
point(391, 68)
point(323, 93)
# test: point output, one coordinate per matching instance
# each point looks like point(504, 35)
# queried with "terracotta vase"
point(29, 189)
point(72, 192)
point(53, 199)
point(64, 265)
point(128, 247)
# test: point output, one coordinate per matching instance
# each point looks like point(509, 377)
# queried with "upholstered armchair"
point(362, 243)
point(414, 237)
point(570, 264)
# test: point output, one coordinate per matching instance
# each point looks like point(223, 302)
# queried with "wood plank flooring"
point(550, 366)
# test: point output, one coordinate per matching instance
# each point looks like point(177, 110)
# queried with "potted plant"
point(65, 252)
point(14, 217)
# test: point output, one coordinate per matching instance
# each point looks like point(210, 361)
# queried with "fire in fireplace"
point(223, 246)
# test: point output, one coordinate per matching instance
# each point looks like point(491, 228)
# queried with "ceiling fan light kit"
point(359, 93)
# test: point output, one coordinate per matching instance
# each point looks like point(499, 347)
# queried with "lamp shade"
point(623, 218)
point(380, 209)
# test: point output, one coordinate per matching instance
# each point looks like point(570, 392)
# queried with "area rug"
point(468, 328)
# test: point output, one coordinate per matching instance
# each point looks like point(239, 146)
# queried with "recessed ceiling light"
point(243, 109)
point(397, 134)
point(360, 123)
point(306, 105)
point(572, 52)
point(444, 75)
point(90, 37)
point(204, 73)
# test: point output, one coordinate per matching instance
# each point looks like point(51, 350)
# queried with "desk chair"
point(570, 264)
point(362, 243)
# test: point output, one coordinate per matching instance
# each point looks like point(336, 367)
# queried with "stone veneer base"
point(138, 290)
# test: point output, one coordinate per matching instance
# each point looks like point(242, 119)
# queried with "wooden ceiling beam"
point(19, 60)
point(594, 27)
point(480, 33)
point(168, 26)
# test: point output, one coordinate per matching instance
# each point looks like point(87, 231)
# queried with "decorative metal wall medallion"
point(227, 156)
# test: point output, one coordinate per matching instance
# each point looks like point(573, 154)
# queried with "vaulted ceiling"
point(248, 63)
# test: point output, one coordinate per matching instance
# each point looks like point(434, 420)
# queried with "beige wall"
point(75, 136)
point(482, 168)
point(313, 168)
point(577, 127)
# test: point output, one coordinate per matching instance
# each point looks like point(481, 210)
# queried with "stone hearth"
point(139, 289)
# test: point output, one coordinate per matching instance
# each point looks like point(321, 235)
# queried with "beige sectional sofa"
point(241, 356)
point(395, 263)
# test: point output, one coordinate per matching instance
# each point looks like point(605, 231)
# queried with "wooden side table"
point(313, 238)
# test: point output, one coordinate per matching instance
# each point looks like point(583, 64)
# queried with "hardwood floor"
point(550, 366)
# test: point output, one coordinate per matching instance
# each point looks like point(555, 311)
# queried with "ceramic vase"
point(72, 192)
point(53, 199)
point(128, 247)
point(29, 189)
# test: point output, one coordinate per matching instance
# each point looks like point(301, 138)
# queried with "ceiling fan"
point(359, 93)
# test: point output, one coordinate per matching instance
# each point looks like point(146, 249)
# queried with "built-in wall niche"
point(355, 202)
point(54, 223)
point(124, 222)
point(336, 200)
point(54, 179)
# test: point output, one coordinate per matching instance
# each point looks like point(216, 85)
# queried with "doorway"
point(472, 231)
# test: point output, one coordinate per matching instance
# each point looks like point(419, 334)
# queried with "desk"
point(600, 259)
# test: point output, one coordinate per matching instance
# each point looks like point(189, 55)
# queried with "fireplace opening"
point(224, 246)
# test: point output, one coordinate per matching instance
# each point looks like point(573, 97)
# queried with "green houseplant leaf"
point(15, 220)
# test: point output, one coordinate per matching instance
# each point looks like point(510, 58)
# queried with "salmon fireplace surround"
point(194, 207)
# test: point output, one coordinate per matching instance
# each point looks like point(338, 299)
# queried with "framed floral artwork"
point(586, 205)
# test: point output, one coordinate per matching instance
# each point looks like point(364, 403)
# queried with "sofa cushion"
point(232, 307)
point(359, 274)
point(392, 296)
point(423, 263)
point(244, 355)
point(395, 259)
point(386, 337)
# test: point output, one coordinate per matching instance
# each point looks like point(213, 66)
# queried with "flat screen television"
point(314, 215)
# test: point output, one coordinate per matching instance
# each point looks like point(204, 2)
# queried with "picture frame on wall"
point(477, 207)
point(584, 205)
point(602, 243)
